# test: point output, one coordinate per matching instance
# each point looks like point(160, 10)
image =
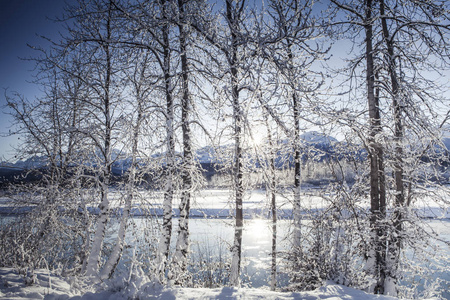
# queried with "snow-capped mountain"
point(317, 138)
point(314, 145)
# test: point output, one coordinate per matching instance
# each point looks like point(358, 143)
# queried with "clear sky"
point(21, 21)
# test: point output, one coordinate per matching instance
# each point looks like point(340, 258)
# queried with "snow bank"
point(329, 291)
point(13, 286)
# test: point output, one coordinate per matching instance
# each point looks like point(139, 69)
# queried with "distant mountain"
point(204, 155)
point(317, 138)
point(315, 145)
point(34, 162)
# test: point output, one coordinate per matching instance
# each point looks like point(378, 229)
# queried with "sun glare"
point(258, 137)
point(257, 230)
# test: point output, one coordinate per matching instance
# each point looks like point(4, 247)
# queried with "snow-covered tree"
point(186, 12)
point(400, 44)
point(289, 47)
point(230, 40)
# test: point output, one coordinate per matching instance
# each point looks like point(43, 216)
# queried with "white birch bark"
point(232, 15)
point(182, 245)
point(114, 257)
point(93, 261)
point(92, 268)
point(166, 231)
point(116, 253)
point(272, 186)
point(296, 209)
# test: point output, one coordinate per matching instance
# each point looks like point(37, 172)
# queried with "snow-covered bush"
point(332, 243)
point(209, 266)
point(50, 233)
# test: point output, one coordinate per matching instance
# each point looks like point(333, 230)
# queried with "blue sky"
point(21, 21)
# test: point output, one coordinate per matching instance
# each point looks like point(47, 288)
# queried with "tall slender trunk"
point(116, 253)
point(272, 186)
point(296, 209)
point(57, 156)
point(273, 208)
point(164, 243)
point(376, 256)
point(182, 245)
point(236, 250)
point(71, 144)
point(395, 237)
point(297, 176)
point(86, 237)
point(93, 262)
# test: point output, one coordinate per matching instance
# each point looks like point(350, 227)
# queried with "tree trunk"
point(92, 268)
point(116, 253)
point(236, 250)
point(394, 242)
point(164, 243)
point(376, 256)
point(93, 262)
point(297, 176)
point(182, 245)
point(272, 186)
point(296, 209)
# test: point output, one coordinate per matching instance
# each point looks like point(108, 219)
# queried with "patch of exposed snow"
point(12, 286)
point(217, 203)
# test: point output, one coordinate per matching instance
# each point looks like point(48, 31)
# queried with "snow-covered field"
point(217, 203)
point(51, 287)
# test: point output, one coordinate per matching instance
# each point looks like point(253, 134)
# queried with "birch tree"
point(234, 14)
point(230, 46)
point(93, 30)
point(157, 22)
point(182, 245)
point(230, 42)
point(140, 90)
point(376, 258)
point(105, 144)
point(47, 127)
point(364, 16)
point(165, 64)
point(425, 26)
point(388, 31)
point(291, 53)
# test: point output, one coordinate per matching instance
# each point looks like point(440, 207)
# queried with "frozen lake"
point(211, 240)
point(218, 203)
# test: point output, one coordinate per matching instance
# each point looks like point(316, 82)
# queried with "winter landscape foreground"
point(57, 288)
point(212, 232)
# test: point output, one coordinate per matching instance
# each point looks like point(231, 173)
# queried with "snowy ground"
point(217, 203)
point(12, 286)
point(212, 203)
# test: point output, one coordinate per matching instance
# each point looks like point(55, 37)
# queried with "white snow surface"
point(217, 203)
point(52, 287)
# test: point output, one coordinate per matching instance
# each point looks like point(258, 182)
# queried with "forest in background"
point(153, 83)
